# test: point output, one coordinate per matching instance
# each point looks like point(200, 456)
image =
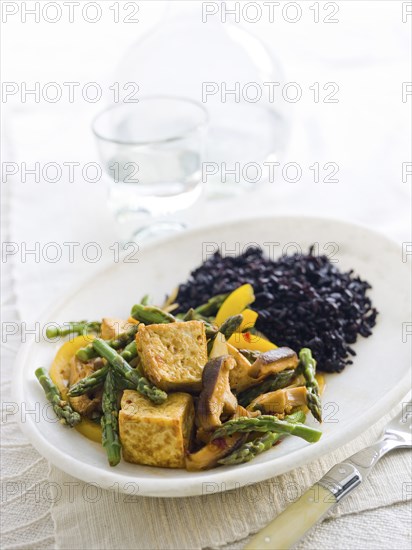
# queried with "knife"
point(292, 524)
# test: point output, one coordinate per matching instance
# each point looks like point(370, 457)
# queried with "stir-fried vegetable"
point(267, 423)
point(130, 351)
point(253, 448)
point(61, 407)
point(250, 341)
point(88, 383)
point(235, 303)
point(109, 421)
point(122, 367)
point(72, 328)
point(231, 325)
point(249, 320)
point(307, 367)
point(151, 315)
point(120, 341)
point(275, 382)
point(211, 307)
point(110, 384)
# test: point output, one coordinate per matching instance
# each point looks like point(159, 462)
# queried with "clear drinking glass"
point(233, 74)
point(152, 156)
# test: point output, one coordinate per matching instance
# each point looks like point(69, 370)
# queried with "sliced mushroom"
point(203, 437)
point(246, 375)
point(216, 398)
point(210, 454)
point(273, 361)
point(219, 346)
point(241, 411)
point(280, 401)
point(239, 377)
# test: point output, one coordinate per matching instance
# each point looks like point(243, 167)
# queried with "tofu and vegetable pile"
point(193, 390)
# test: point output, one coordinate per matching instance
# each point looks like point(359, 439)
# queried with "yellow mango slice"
point(235, 303)
point(60, 373)
point(246, 340)
point(249, 320)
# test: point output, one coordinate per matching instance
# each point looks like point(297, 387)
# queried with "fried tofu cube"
point(156, 435)
point(112, 327)
point(173, 355)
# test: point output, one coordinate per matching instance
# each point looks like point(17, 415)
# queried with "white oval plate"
point(353, 400)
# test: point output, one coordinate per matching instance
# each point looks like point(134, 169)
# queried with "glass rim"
point(180, 99)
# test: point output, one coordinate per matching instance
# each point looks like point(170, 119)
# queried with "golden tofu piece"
point(156, 435)
point(173, 354)
point(112, 327)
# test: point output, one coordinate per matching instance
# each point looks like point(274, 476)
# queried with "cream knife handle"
point(290, 526)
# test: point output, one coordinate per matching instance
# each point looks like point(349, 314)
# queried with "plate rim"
point(226, 478)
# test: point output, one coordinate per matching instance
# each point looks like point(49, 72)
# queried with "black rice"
point(303, 300)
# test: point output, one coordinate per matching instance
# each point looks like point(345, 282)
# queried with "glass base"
point(158, 229)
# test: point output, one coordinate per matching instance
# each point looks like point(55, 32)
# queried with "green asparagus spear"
point(145, 300)
point(212, 306)
point(109, 421)
point(130, 351)
point(297, 417)
point(249, 450)
point(62, 408)
point(210, 331)
point(73, 327)
point(94, 380)
point(191, 315)
point(231, 325)
point(267, 423)
point(227, 329)
point(123, 384)
point(275, 382)
point(123, 369)
point(151, 315)
point(87, 353)
point(307, 367)
point(124, 338)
